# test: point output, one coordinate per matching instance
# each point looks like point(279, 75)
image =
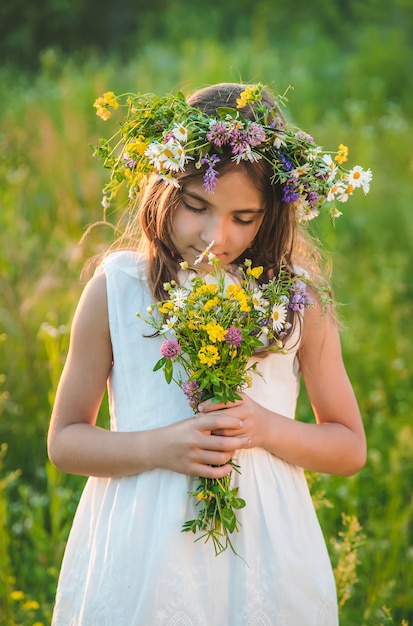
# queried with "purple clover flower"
point(233, 336)
point(210, 176)
point(193, 392)
point(219, 134)
point(239, 141)
point(170, 348)
point(255, 134)
point(304, 136)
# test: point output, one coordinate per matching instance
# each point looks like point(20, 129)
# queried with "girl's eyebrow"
point(195, 196)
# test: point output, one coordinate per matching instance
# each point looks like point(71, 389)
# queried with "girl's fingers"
point(208, 405)
point(216, 421)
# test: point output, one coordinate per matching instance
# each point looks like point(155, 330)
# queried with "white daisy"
point(172, 156)
point(303, 211)
point(204, 254)
point(168, 179)
point(278, 141)
point(180, 133)
point(335, 190)
point(330, 166)
point(169, 324)
point(358, 177)
point(314, 153)
point(258, 301)
point(300, 171)
point(279, 316)
point(246, 155)
point(153, 152)
point(178, 297)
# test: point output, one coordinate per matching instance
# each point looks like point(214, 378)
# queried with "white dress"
point(127, 563)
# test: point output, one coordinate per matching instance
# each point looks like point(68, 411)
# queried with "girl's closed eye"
point(194, 209)
point(243, 222)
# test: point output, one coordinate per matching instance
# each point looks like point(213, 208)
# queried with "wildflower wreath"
point(211, 330)
point(162, 134)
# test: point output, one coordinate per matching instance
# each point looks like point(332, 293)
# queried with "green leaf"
point(238, 503)
point(228, 519)
point(168, 369)
point(223, 112)
point(159, 364)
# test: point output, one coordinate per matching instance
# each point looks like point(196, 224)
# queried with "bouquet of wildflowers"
point(211, 330)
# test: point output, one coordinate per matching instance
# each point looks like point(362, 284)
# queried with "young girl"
point(224, 177)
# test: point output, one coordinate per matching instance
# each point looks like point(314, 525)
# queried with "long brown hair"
point(280, 240)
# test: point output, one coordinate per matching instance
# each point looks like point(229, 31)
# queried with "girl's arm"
point(76, 445)
point(336, 443)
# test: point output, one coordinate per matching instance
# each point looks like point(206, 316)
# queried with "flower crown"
point(163, 134)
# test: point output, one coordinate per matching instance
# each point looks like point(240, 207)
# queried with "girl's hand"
point(201, 445)
point(251, 414)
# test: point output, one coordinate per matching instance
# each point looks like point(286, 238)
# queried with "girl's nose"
point(214, 230)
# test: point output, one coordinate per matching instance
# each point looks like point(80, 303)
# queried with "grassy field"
point(50, 192)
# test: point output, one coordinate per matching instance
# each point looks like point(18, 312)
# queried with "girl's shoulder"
point(126, 261)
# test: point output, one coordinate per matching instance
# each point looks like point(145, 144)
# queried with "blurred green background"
point(350, 63)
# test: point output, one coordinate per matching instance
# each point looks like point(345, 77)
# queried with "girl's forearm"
point(88, 450)
point(329, 447)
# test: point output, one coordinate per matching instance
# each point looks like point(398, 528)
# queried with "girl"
point(222, 168)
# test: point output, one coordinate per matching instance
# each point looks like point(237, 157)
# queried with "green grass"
point(50, 192)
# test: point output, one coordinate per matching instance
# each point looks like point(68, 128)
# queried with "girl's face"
point(230, 217)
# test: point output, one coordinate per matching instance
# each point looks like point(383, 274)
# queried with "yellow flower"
point(215, 331)
point(243, 305)
point(31, 605)
point(232, 291)
point(110, 99)
point(255, 271)
point(206, 290)
point(238, 293)
point(208, 355)
point(138, 146)
point(252, 93)
point(342, 154)
point(101, 104)
point(17, 595)
point(166, 307)
point(209, 304)
point(103, 113)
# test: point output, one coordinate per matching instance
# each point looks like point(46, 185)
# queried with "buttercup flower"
point(208, 355)
point(215, 331)
point(342, 154)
